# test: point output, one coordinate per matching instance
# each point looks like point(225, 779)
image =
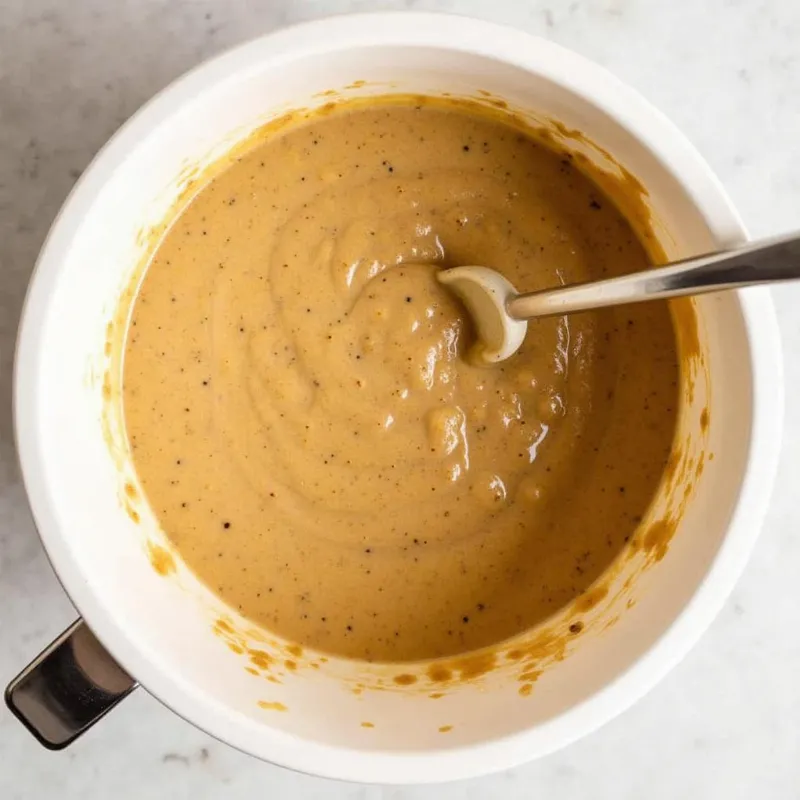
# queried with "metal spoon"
point(501, 313)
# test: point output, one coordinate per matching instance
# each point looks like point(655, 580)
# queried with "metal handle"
point(68, 687)
point(766, 262)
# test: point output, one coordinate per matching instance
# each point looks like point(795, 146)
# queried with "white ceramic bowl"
point(160, 629)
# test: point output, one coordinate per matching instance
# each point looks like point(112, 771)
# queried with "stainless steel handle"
point(766, 262)
point(68, 687)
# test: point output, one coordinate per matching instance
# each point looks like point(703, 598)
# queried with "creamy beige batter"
point(304, 423)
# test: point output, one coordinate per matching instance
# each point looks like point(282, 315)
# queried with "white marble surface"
point(726, 722)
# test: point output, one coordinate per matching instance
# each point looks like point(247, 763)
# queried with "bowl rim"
point(575, 73)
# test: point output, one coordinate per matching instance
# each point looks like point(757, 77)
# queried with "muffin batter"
point(302, 418)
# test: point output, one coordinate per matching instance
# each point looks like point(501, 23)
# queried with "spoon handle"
point(766, 262)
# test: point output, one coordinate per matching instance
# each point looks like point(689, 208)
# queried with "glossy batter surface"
point(304, 423)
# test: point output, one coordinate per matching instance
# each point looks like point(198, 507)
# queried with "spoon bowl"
point(485, 293)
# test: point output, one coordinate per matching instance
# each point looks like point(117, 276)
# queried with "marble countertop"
point(726, 722)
